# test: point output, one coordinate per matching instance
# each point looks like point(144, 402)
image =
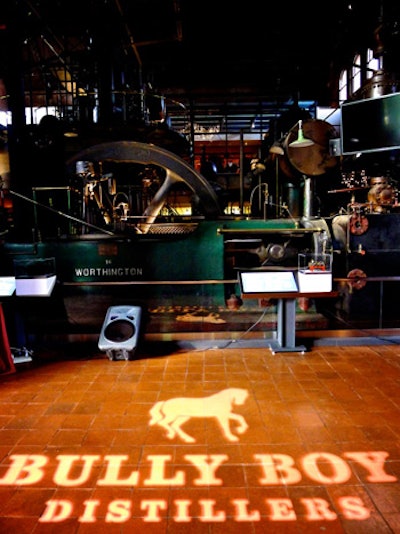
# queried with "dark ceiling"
point(210, 54)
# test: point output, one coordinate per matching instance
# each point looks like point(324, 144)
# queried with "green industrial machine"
point(112, 237)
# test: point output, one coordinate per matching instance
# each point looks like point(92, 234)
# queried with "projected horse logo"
point(173, 413)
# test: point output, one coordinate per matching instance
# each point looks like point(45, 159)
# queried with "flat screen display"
point(371, 125)
point(267, 282)
point(7, 286)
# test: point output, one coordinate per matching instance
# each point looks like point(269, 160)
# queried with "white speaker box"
point(120, 332)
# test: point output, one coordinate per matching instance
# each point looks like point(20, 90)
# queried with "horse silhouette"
point(173, 413)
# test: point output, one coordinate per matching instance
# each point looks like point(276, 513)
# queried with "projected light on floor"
point(112, 477)
point(173, 413)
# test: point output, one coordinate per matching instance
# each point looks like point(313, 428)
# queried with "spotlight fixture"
point(301, 141)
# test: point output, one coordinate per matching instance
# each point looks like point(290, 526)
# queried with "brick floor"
point(312, 445)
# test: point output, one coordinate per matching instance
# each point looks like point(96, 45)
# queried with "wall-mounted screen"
point(370, 125)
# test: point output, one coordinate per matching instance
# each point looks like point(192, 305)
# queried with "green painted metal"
point(194, 257)
point(149, 271)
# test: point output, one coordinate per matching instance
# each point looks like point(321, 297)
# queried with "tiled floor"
point(313, 443)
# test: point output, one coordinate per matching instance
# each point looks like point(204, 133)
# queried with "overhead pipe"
point(137, 56)
point(241, 173)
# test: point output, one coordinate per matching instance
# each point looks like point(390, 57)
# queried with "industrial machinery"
point(136, 224)
point(105, 204)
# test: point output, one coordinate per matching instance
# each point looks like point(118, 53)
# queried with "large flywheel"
point(176, 170)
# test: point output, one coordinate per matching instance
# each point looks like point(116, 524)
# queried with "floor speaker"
point(120, 332)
